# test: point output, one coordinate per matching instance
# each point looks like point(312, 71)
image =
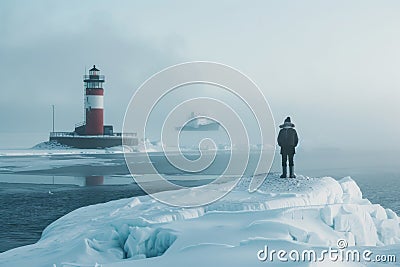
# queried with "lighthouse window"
point(93, 85)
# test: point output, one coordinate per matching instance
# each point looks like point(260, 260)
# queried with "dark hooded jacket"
point(287, 138)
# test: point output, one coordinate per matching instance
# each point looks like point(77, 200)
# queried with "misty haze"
point(87, 179)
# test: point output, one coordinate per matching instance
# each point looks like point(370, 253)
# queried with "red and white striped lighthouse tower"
point(94, 102)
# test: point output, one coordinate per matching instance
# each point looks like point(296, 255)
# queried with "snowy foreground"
point(289, 214)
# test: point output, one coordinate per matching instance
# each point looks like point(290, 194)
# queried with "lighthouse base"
point(93, 141)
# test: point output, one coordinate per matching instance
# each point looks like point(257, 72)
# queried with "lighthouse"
point(92, 133)
point(94, 102)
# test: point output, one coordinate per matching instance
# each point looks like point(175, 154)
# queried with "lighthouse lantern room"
point(94, 102)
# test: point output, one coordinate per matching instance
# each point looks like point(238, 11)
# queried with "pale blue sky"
point(332, 65)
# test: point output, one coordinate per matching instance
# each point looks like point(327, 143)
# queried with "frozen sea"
point(39, 186)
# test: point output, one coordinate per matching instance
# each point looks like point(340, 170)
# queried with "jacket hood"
point(287, 125)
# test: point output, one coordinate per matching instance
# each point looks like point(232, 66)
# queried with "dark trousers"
point(287, 157)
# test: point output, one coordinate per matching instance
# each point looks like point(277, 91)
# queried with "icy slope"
point(285, 213)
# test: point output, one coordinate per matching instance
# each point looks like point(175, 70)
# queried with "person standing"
point(288, 140)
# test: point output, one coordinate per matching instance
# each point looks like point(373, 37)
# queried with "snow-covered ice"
point(299, 213)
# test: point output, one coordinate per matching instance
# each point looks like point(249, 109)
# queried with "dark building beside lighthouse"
point(92, 133)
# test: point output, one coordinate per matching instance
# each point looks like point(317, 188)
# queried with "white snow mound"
point(284, 213)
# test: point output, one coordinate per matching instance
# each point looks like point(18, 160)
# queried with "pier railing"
point(73, 134)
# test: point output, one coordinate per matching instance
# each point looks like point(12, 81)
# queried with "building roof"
point(94, 68)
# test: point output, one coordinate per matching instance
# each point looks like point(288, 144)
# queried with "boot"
point(284, 172)
point(291, 170)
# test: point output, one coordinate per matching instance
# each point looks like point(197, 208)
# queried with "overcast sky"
point(332, 65)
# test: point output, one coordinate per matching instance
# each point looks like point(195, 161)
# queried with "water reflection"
point(94, 180)
point(93, 169)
